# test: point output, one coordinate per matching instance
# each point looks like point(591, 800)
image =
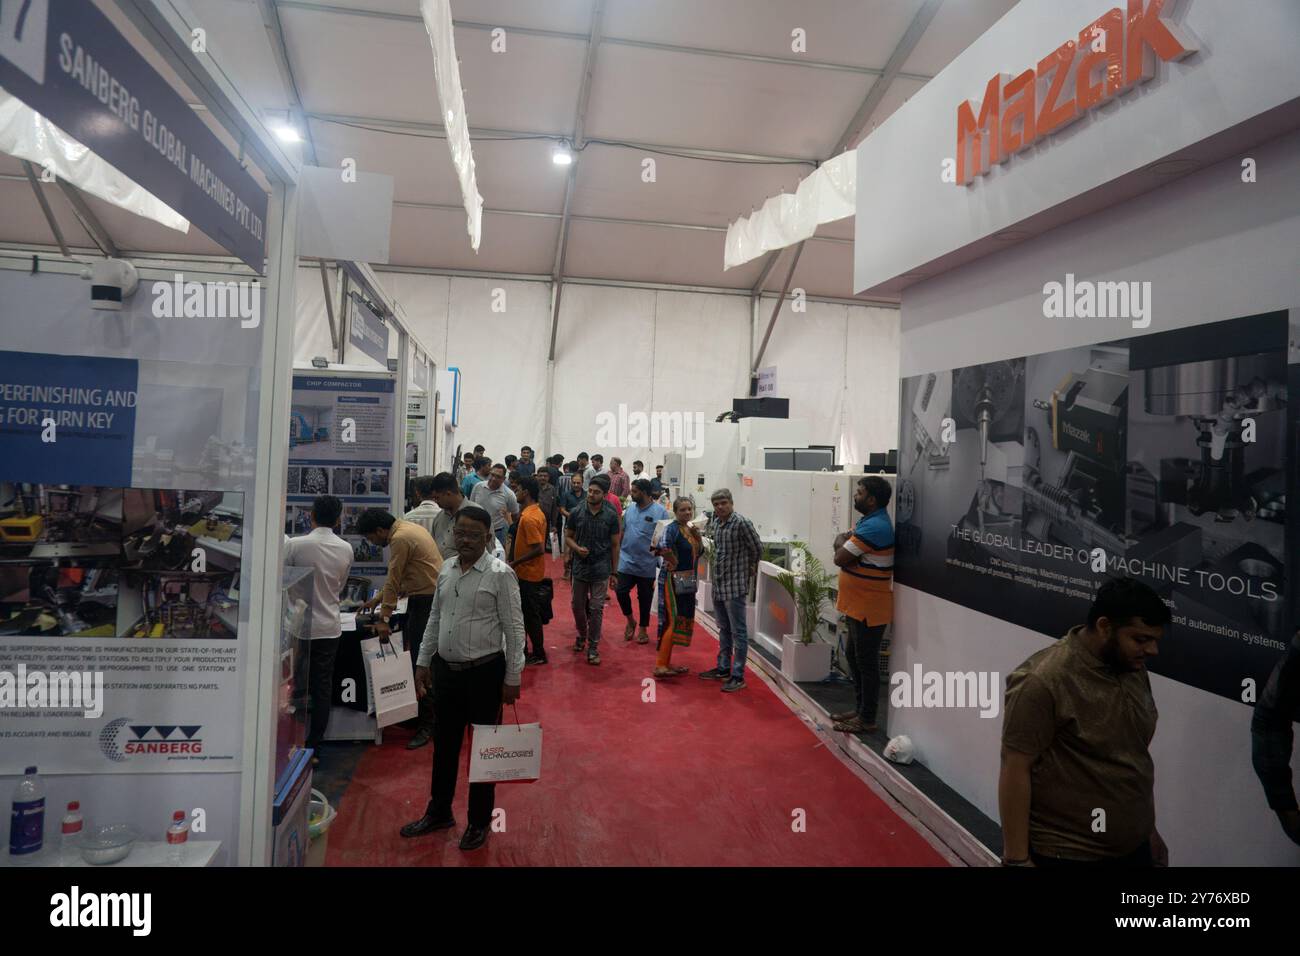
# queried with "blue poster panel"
point(67, 419)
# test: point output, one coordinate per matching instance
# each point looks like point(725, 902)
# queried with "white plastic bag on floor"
point(900, 749)
point(505, 752)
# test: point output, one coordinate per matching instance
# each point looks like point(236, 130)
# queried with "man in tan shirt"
point(1077, 784)
point(413, 565)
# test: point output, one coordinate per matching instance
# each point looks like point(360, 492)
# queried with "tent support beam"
point(579, 139)
point(45, 209)
point(89, 220)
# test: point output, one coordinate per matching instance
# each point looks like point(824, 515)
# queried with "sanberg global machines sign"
point(1115, 52)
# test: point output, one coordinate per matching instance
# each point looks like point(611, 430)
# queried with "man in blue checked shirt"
point(736, 551)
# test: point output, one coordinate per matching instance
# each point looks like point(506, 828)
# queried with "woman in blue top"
point(680, 551)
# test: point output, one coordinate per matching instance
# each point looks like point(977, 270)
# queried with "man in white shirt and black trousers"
point(331, 558)
point(471, 659)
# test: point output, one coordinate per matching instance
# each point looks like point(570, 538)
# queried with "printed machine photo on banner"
point(59, 549)
point(89, 561)
point(1157, 457)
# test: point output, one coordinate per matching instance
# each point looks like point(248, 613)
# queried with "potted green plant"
point(803, 657)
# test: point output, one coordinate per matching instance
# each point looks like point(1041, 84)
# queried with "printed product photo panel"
point(46, 522)
point(66, 598)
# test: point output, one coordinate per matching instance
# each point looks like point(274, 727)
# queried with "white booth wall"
point(651, 350)
point(1212, 249)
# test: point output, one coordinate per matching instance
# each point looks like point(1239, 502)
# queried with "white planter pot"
point(805, 662)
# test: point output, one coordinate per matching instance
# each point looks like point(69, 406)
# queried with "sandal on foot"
point(844, 715)
point(854, 726)
point(643, 638)
point(665, 672)
point(680, 670)
point(629, 631)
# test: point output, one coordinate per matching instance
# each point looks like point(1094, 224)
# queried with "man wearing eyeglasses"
point(471, 660)
point(496, 498)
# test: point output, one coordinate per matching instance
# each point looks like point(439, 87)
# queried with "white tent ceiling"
point(717, 80)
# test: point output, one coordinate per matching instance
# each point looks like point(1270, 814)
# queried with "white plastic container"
point(177, 834)
point(70, 836)
point(27, 819)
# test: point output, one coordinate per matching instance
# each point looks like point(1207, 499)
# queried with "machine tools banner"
point(121, 535)
point(341, 443)
point(1025, 482)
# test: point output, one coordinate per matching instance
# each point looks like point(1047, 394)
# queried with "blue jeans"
point(733, 636)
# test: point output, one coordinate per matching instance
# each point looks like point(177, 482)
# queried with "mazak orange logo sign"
point(1112, 54)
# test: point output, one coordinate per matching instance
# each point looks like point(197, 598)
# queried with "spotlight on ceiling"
point(287, 134)
point(562, 156)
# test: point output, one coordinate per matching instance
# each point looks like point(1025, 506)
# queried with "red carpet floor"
point(697, 778)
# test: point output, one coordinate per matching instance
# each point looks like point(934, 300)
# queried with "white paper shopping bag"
point(393, 684)
point(370, 647)
point(504, 752)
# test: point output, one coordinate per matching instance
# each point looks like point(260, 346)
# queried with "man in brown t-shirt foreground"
point(1078, 784)
point(413, 565)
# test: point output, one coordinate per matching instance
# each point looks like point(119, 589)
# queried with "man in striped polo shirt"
point(865, 558)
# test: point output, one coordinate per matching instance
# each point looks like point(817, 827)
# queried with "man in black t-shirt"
point(593, 536)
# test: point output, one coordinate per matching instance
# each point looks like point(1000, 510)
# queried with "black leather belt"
point(470, 665)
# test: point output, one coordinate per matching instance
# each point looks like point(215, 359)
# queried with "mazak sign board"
point(1113, 53)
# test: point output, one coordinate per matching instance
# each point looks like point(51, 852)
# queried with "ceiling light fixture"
point(287, 134)
point(562, 156)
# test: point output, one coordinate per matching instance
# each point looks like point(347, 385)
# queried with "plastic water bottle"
point(177, 834)
point(27, 819)
point(70, 839)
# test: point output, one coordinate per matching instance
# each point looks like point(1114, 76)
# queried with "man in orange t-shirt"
point(529, 561)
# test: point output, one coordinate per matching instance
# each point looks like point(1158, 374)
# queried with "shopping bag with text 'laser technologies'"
point(501, 753)
point(394, 686)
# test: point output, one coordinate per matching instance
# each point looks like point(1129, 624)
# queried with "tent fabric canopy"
point(828, 195)
point(26, 134)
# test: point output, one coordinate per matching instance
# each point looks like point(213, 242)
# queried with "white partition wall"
point(1212, 246)
point(502, 360)
point(649, 349)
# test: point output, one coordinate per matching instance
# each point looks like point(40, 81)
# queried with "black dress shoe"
point(421, 738)
point(427, 824)
point(474, 837)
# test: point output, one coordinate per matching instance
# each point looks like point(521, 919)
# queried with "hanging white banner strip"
point(446, 72)
point(828, 194)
